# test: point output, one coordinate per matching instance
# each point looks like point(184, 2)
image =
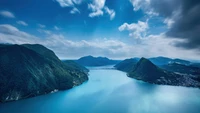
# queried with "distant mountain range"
point(167, 74)
point(181, 68)
point(31, 70)
point(165, 60)
point(96, 61)
point(162, 62)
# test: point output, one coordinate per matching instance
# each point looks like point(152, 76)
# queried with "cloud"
point(10, 34)
point(169, 22)
point(136, 30)
point(7, 14)
point(65, 3)
point(138, 4)
point(41, 25)
point(22, 23)
point(74, 11)
point(44, 31)
point(70, 3)
point(181, 16)
point(153, 45)
point(98, 8)
point(56, 28)
point(187, 25)
point(110, 12)
point(96, 13)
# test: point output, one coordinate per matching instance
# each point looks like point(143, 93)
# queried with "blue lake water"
point(111, 91)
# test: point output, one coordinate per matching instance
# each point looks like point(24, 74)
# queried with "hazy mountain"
point(181, 68)
point(31, 70)
point(160, 60)
point(146, 71)
point(127, 65)
point(164, 60)
point(195, 65)
point(96, 61)
point(180, 61)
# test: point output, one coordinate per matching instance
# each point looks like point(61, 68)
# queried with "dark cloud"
point(187, 25)
point(183, 16)
point(165, 7)
point(186, 17)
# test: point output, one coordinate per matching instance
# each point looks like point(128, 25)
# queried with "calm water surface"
point(111, 91)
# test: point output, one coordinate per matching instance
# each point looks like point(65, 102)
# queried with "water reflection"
point(111, 91)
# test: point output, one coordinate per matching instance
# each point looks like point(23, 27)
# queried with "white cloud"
point(70, 3)
point(144, 5)
point(96, 13)
point(110, 12)
point(22, 23)
point(153, 45)
point(44, 31)
point(74, 11)
point(65, 3)
point(169, 9)
point(10, 34)
point(98, 8)
point(56, 28)
point(138, 4)
point(136, 30)
point(97, 4)
point(169, 22)
point(41, 25)
point(7, 14)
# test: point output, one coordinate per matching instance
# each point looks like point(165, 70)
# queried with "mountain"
point(96, 61)
point(181, 68)
point(76, 66)
point(160, 60)
point(127, 65)
point(180, 61)
point(164, 60)
point(146, 71)
point(31, 70)
point(195, 65)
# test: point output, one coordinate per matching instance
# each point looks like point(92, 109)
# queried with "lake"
point(111, 91)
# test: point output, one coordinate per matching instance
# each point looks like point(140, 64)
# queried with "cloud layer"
point(22, 23)
point(7, 14)
point(181, 16)
point(153, 45)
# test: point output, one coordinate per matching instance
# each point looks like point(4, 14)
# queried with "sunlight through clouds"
point(65, 48)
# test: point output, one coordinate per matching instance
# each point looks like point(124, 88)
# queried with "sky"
point(117, 29)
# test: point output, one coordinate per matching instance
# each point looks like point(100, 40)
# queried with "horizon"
point(191, 60)
point(114, 29)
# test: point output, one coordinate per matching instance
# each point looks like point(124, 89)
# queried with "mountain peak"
point(145, 62)
point(146, 70)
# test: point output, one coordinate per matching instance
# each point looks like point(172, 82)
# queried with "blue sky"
point(73, 28)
